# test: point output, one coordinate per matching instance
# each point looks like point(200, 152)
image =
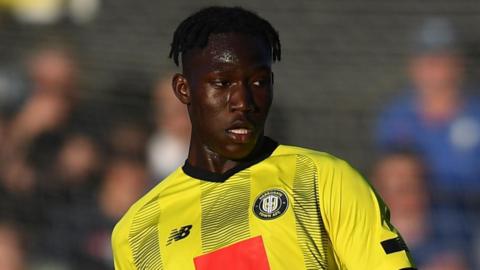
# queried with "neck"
point(440, 106)
point(202, 157)
point(206, 159)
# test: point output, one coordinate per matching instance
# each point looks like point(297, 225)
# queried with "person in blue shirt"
point(439, 240)
point(436, 116)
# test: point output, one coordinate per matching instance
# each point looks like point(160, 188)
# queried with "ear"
point(181, 88)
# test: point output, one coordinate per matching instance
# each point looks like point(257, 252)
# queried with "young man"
point(242, 201)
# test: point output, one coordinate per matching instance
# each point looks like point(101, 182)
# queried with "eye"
point(258, 83)
point(221, 83)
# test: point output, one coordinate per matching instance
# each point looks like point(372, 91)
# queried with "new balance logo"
point(179, 234)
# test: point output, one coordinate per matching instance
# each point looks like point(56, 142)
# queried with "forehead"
point(229, 49)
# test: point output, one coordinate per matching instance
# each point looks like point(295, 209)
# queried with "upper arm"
point(122, 255)
point(358, 222)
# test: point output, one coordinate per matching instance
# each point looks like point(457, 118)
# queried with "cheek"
point(263, 99)
point(207, 105)
point(214, 105)
point(215, 100)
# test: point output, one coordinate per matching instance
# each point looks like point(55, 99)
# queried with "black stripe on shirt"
point(394, 245)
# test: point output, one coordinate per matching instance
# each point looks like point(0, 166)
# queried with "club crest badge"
point(270, 204)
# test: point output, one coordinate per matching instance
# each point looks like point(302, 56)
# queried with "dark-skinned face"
point(228, 89)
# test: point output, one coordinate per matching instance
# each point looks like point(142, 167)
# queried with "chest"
point(276, 208)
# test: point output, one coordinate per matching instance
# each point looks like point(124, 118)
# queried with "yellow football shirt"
point(291, 208)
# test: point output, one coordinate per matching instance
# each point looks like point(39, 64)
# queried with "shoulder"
point(123, 228)
point(335, 178)
point(323, 161)
point(473, 105)
point(400, 105)
point(333, 173)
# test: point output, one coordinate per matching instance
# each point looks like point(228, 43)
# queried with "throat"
point(214, 162)
point(210, 166)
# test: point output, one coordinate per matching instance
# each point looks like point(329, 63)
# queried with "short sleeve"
point(122, 256)
point(358, 223)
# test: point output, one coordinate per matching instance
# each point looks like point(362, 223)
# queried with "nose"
point(241, 98)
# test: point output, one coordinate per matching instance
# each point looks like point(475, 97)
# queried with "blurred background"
point(88, 122)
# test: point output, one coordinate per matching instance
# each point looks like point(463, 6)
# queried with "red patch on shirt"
point(248, 254)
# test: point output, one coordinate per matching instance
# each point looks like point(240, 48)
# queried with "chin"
point(238, 151)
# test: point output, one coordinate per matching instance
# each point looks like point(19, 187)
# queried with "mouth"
point(241, 131)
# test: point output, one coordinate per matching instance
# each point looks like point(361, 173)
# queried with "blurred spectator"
point(67, 195)
point(128, 139)
point(78, 232)
point(41, 118)
point(78, 160)
point(12, 250)
point(53, 72)
point(168, 146)
point(49, 163)
point(437, 240)
point(437, 117)
point(124, 182)
point(127, 116)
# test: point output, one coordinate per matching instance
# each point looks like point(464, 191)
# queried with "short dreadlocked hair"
point(195, 30)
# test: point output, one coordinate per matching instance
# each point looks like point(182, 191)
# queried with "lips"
point(241, 131)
